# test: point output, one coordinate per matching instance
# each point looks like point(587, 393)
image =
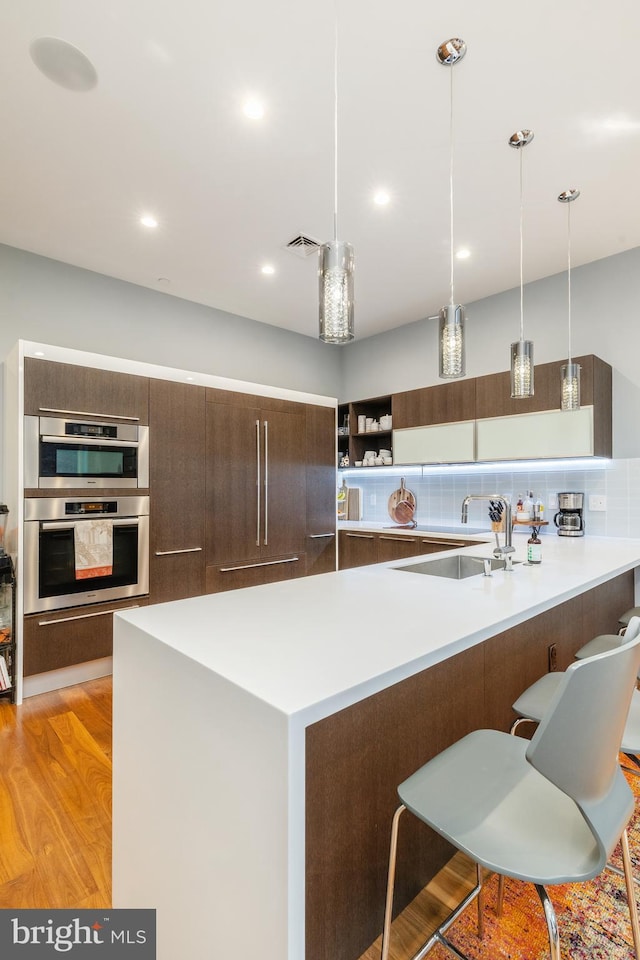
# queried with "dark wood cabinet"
point(444, 403)
point(177, 484)
point(63, 638)
point(320, 546)
point(357, 548)
point(52, 388)
point(255, 489)
point(493, 394)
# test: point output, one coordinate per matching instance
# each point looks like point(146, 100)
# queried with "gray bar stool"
point(549, 810)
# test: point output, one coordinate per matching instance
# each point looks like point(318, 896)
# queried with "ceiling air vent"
point(302, 245)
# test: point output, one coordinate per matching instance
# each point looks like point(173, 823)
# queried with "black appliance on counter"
point(569, 519)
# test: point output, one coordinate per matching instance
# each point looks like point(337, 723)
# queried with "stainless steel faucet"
point(498, 551)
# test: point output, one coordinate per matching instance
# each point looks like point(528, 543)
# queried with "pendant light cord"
point(521, 246)
point(335, 129)
point(451, 179)
point(569, 274)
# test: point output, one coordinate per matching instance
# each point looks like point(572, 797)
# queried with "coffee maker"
point(569, 519)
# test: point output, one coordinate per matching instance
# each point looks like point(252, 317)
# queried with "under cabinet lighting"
point(498, 466)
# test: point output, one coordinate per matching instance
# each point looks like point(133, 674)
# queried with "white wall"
point(605, 297)
point(50, 302)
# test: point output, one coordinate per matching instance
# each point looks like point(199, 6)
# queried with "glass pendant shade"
point(570, 386)
point(451, 341)
point(335, 272)
point(522, 370)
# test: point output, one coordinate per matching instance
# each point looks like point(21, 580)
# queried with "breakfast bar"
point(260, 734)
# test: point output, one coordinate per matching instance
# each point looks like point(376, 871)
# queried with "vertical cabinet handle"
point(266, 482)
point(257, 483)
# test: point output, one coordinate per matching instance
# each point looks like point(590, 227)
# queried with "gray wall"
point(51, 302)
point(604, 305)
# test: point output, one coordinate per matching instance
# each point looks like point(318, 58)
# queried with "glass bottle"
point(534, 548)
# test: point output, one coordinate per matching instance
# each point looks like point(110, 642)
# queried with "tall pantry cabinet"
point(176, 482)
point(261, 514)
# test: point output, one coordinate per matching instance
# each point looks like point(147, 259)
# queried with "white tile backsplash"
point(439, 494)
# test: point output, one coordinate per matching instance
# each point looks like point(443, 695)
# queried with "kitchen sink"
point(455, 568)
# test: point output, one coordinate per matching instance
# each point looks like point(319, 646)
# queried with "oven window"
point(82, 460)
point(57, 573)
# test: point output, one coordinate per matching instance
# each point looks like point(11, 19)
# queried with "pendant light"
point(336, 262)
point(522, 372)
point(451, 317)
point(570, 373)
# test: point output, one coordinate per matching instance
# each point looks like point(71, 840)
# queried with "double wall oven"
point(52, 526)
point(87, 471)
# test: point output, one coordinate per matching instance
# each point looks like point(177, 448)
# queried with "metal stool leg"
point(388, 908)
point(552, 922)
point(631, 896)
point(438, 935)
point(500, 896)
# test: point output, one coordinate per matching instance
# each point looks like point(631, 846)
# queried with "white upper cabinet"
point(549, 434)
point(439, 443)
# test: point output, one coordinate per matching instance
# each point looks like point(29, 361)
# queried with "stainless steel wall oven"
point(52, 526)
point(69, 453)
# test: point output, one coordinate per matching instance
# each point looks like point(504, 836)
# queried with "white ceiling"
point(163, 132)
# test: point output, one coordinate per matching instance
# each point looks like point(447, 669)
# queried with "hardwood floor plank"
point(55, 799)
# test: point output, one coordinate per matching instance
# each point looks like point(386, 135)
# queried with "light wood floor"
point(55, 799)
point(55, 815)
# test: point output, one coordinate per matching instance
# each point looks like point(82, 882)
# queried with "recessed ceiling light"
point(381, 198)
point(267, 269)
point(254, 109)
point(63, 64)
point(463, 253)
point(148, 221)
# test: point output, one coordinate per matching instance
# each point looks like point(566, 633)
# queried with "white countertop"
point(312, 646)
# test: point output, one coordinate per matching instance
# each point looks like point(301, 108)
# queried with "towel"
point(93, 548)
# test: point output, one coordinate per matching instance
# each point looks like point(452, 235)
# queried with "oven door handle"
point(71, 524)
point(92, 441)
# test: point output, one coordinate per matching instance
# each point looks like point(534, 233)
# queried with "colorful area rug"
point(593, 918)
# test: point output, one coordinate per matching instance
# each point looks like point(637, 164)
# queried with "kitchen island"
point(259, 736)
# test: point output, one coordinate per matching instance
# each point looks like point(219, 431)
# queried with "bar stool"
point(520, 809)
point(626, 616)
point(533, 703)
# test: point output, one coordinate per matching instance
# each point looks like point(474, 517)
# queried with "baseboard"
point(66, 676)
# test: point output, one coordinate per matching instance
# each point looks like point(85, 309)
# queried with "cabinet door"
point(444, 403)
point(395, 548)
point(284, 501)
point(551, 433)
point(177, 485)
point(356, 549)
point(233, 483)
point(442, 443)
point(321, 489)
point(50, 386)
point(65, 637)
